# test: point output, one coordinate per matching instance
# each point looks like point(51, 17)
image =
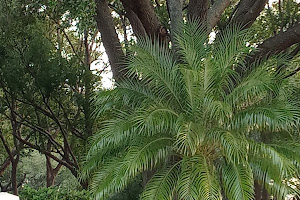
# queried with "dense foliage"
point(28, 193)
point(199, 128)
point(206, 111)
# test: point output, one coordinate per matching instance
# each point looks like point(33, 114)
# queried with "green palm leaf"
point(195, 123)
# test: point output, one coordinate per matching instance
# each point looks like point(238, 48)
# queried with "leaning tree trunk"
point(109, 38)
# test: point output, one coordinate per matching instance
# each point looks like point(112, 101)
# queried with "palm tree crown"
point(195, 123)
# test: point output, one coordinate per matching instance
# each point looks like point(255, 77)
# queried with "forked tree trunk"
point(51, 172)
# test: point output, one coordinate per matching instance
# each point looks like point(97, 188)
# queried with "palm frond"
point(284, 165)
point(115, 175)
point(189, 138)
point(238, 181)
point(272, 116)
point(267, 175)
point(234, 148)
point(198, 180)
point(192, 42)
point(162, 184)
point(157, 67)
point(228, 53)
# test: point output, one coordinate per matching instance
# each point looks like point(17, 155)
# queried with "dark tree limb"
point(272, 46)
point(247, 11)
point(6, 146)
point(4, 166)
point(293, 73)
point(51, 172)
point(197, 9)
point(145, 13)
point(135, 22)
point(277, 43)
point(68, 164)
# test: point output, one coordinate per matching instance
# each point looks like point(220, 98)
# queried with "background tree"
point(46, 85)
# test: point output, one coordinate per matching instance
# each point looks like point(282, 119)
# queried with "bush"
point(28, 193)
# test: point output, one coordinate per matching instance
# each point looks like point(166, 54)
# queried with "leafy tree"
point(194, 127)
point(46, 86)
point(160, 18)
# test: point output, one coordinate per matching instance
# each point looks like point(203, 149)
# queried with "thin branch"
point(6, 147)
point(72, 46)
point(66, 164)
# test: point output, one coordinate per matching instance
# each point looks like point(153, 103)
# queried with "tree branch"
point(145, 13)
point(66, 164)
point(214, 13)
point(6, 147)
point(135, 22)
point(277, 43)
point(247, 11)
point(293, 73)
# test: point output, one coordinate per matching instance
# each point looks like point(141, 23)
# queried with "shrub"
point(28, 193)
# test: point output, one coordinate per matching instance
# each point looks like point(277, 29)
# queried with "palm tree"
point(199, 127)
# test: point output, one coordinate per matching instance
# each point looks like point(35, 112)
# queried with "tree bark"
point(175, 12)
point(214, 13)
point(51, 172)
point(14, 182)
point(135, 22)
point(274, 45)
point(260, 192)
point(4, 166)
point(109, 38)
point(247, 11)
point(280, 42)
point(145, 13)
point(197, 9)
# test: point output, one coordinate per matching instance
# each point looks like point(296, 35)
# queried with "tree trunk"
point(260, 192)
point(197, 9)
point(109, 38)
point(146, 14)
point(175, 12)
point(214, 13)
point(135, 22)
point(51, 172)
point(14, 182)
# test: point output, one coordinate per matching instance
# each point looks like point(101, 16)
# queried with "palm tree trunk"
point(260, 192)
